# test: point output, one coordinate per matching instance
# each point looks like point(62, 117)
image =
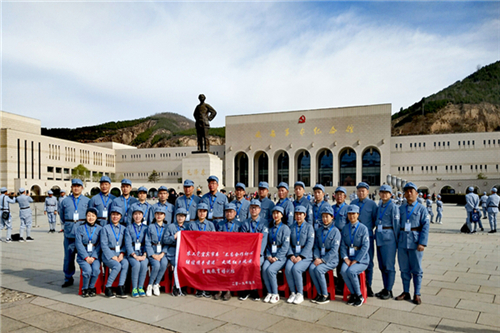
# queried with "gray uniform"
point(428, 204)
point(493, 201)
point(50, 207)
point(25, 214)
point(5, 200)
point(472, 203)
point(484, 205)
point(61, 220)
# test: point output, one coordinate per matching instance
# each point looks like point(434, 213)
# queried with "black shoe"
point(176, 292)
point(121, 292)
point(323, 299)
point(109, 293)
point(206, 294)
point(217, 295)
point(67, 283)
point(315, 300)
point(243, 295)
point(359, 300)
point(387, 295)
point(183, 291)
point(85, 293)
point(380, 293)
point(369, 291)
point(92, 292)
point(255, 295)
point(351, 300)
point(491, 231)
point(199, 293)
point(29, 239)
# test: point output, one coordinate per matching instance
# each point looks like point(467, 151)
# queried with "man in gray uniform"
point(428, 204)
point(471, 205)
point(492, 203)
point(61, 198)
point(6, 222)
point(484, 199)
point(25, 215)
point(50, 209)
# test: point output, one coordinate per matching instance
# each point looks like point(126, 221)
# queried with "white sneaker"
point(275, 299)
point(268, 298)
point(291, 298)
point(298, 299)
point(149, 291)
point(156, 290)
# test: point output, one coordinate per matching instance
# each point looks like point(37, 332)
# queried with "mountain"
point(160, 130)
point(469, 105)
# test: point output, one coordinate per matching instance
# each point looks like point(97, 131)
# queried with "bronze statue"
point(203, 114)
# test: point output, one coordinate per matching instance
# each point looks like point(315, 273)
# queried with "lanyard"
point(361, 207)
point(119, 232)
point(90, 236)
point(159, 234)
point(382, 215)
point(186, 203)
point(137, 235)
point(256, 224)
point(298, 231)
point(409, 214)
point(241, 205)
point(227, 229)
point(76, 202)
point(335, 211)
point(324, 237)
point(204, 226)
point(179, 228)
point(104, 203)
point(212, 203)
point(273, 236)
point(318, 211)
point(147, 209)
point(351, 234)
point(283, 202)
point(126, 204)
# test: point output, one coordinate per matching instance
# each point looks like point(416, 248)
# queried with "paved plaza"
point(460, 293)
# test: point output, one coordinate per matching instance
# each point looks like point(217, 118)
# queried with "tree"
point(481, 176)
point(154, 177)
point(80, 172)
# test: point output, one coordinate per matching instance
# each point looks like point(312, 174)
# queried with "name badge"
point(105, 213)
point(158, 248)
point(117, 249)
point(352, 252)
point(90, 247)
point(76, 217)
point(210, 215)
point(137, 246)
point(274, 248)
point(298, 248)
point(144, 222)
point(379, 228)
point(407, 226)
point(188, 218)
point(323, 251)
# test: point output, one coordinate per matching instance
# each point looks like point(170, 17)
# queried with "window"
point(446, 168)
point(396, 146)
point(434, 143)
point(488, 141)
point(448, 143)
point(411, 168)
point(439, 144)
point(424, 144)
point(420, 144)
point(473, 142)
point(459, 143)
point(422, 168)
point(399, 168)
point(400, 145)
point(468, 143)
point(50, 169)
point(410, 145)
point(426, 168)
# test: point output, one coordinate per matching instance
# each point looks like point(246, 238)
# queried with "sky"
point(73, 64)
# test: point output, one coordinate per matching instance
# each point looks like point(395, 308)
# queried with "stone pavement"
point(460, 293)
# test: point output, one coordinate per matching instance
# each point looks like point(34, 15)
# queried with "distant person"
point(25, 215)
point(493, 202)
point(439, 205)
point(5, 217)
point(471, 206)
point(61, 198)
point(50, 209)
point(484, 206)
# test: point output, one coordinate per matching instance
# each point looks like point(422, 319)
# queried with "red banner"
point(218, 260)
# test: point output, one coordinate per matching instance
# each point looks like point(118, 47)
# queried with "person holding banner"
point(171, 237)
point(354, 252)
point(89, 251)
point(300, 254)
point(113, 252)
point(276, 251)
point(156, 249)
point(326, 254)
point(202, 224)
point(135, 242)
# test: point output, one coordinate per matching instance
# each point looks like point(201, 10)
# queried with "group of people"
point(489, 204)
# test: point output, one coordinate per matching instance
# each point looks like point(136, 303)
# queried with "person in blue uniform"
point(50, 209)
point(103, 200)
point(189, 201)
point(6, 223)
point(125, 201)
point(135, 242)
point(471, 206)
point(317, 205)
point(300, 254)
point(386, 235)
point(428, 204)
point(368, 217)
point(146, 207)
point(88, 247)
point(340, 220)
point(492, 204)
point(215, 200)
point(399, 199)
point(254, 224)
point(439, 209)
point(61, 198)
point(172, 234)
point(412, 240)
point(202, 224)
point(242, 204)
point(484, 206)
point(72, 212)
point(276, 251)
point(163, 202)
point(299, 189)
point(420, 198)
point(285, 203)
point(156, 249)
point(354, 253)
point(266, 204)
point(114, 252)
point(325, 255)
point(25, 215)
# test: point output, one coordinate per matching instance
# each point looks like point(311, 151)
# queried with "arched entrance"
point(116, 191)
point(261, 162)
point(304, 167)
point(56, 190)
point(35, 190)
point(371, 167)
point(241, 168)
point(152, 193)
point(347, 172)
point(447, 190)
point(94, 191)
point(282, 167)
point(325, 167)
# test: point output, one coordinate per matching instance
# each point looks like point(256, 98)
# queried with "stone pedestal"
point(198, 167)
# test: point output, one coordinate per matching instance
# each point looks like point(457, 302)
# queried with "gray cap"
point(283, 184)
point(263, 185)
point(255, 202)
point(353, 209)
point(319, 187)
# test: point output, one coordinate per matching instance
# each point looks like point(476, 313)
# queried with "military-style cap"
point(420, 194)
point(126, 181)
point(319, 187)
point(341, 189)
point(279, 209)
point(188, 183)
point(241, 185)
point(116, 209)
point(105, 179)
point(283, 184)
point(161, 209)
point(494, 190)
point(76, 181)
point(264, 185)
point(202, 205)
point(484, 192)
point(399, 193)
point(50, 192)
point(299, 184)
point(213, 178)
point(327, 209)
point(3, 189)
point(181, 211)
point(471, 189)
point(255, 202)
point(353, 209)
point(92, 210)
point(63, 191)
point(21, 190)
point(300, 209)
point(142, 189)
point(385, 188)
point(438, 196)
point(410, 185)
point(363, 185)
point(230, 206)
point(162, 188)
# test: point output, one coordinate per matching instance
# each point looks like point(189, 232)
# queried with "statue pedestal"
point(198, 167)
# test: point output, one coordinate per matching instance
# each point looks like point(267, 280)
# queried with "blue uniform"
point(113, 244)
point(5, 200)
point(170, 240)
point(72, 212)
point(386, 234)
point(316, 213)
point(257, 226)
point(309, 209)
point(340, 215)
point(355, 246)
point(278, 240)
point(301, 245)
point(429, 209)
point(484, 205)
point(125, 205)
point(103, 204)
point(227, 226)
point(326, 248)
point(198, 226)
point(368, 217)
point(492, 204)
point(189, 204)
point(146, 207)
point(60, 200)
point(50, 206)
point(216, 204)
point(25, 214)
point(420, 200)
point(287, 205)
point(410, 260)
point(471, 204)
point(439, 210)
point(90, 272)
point(135, 242)
point(169, 217)
point(266, 209)
point(155, 244)
point(242, 209)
